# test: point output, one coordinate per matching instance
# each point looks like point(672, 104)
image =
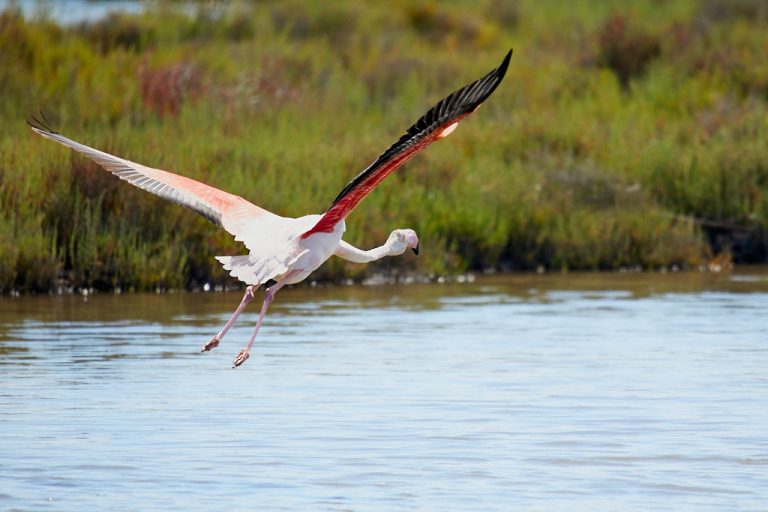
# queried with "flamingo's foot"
point(241, 357)
point(211, 344)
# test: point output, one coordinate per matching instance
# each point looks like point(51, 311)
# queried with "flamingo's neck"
point(355, 255)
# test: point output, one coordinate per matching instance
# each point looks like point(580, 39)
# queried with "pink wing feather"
point(229, 211)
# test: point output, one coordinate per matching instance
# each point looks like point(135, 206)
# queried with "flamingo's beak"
point(412, 241)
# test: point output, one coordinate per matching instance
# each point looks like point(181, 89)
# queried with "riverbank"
point(620, 138)
point(716, 269)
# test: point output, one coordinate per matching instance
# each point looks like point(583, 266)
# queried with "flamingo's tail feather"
point(230, 262)
point(240, 267)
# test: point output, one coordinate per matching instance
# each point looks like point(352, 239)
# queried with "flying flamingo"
point(286, 250)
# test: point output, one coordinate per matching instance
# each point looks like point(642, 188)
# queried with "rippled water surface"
point(575, 392)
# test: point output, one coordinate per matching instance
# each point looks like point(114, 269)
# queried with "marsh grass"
point(617, 136)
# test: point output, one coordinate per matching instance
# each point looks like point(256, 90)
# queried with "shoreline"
point(397, 278)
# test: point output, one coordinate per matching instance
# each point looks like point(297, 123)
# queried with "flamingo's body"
point(285, 250)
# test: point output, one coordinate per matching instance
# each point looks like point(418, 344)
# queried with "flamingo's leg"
point(246, 352)
point(250, 293)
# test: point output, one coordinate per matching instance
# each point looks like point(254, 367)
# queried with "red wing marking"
point(439, 121)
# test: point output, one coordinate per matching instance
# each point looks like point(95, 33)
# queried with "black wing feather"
point(456, 104)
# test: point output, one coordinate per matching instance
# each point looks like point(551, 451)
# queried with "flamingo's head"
point(402, 239)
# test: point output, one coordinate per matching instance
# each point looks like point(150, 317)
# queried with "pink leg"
point(247, 298)
point(246, 352)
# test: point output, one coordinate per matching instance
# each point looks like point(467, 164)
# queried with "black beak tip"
point(415, 250)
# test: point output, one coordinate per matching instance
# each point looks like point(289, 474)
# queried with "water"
point(576, 392)
point(68, 12)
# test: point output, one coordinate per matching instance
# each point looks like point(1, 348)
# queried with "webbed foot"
point(241, 357)
point(211, 344)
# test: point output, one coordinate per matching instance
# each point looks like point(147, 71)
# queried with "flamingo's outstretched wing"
point(437, 123)
point(229, 211)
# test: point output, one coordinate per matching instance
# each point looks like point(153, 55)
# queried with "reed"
point(618, 134)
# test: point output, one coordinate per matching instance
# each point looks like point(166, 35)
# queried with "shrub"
point(625, 48)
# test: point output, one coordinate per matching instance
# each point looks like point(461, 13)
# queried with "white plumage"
point(286, 250)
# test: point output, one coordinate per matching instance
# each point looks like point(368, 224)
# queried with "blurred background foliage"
point(625, 134)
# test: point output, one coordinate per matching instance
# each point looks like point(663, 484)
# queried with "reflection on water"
point(557, 392)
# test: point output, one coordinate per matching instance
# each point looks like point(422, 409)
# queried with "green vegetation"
point(623, 135)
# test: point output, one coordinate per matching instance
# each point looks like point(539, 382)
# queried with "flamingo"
point(285, 250)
